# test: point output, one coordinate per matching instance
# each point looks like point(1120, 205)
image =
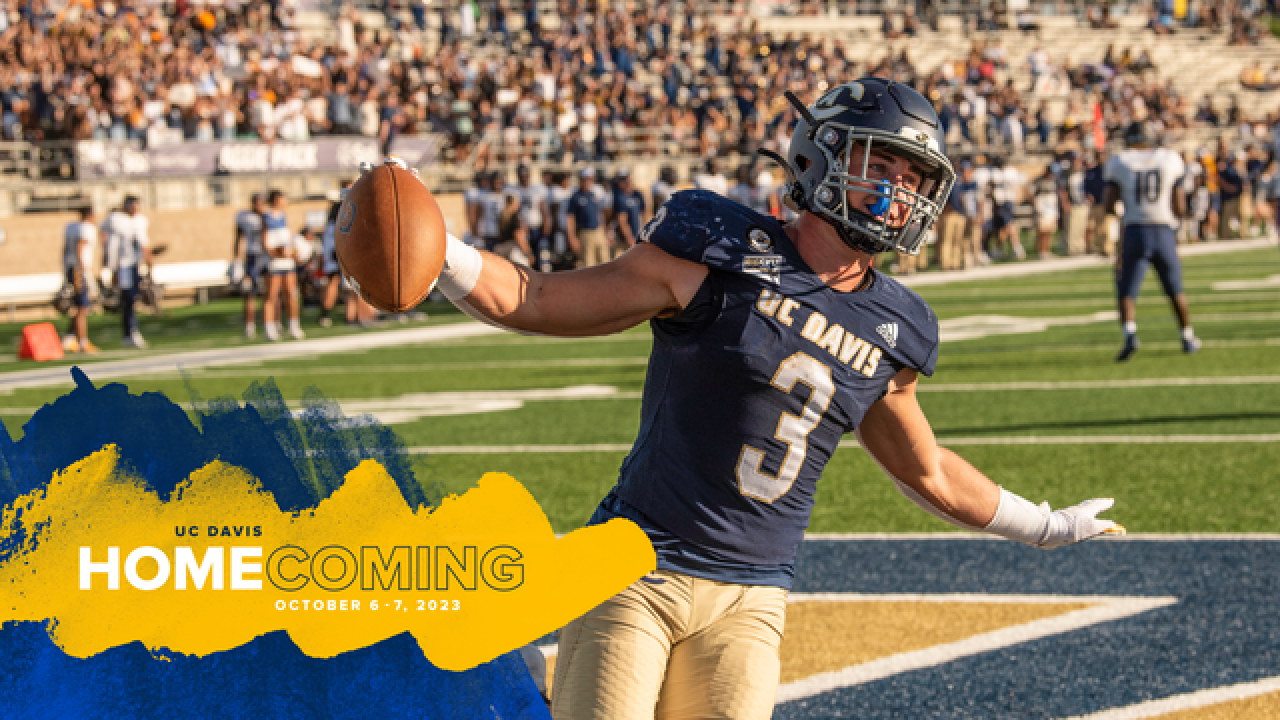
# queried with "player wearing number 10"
point(1148, 180)
point(771, 342)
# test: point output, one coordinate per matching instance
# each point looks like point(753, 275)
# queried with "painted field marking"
point(1269, 283)
point(1187, 701)
point(1099, 384)
point(470, 402)
point(1107, 609)
point(1013, 440)
point(624, 361)
point(1074, 263)
point(152, 364)
point(1080, 302)
point(973, 327)
point(1103, 440)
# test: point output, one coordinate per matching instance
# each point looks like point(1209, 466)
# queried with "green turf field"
point(1053, 380)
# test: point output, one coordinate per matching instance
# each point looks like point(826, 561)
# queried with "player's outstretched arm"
point(897, 435)
point(645, 282)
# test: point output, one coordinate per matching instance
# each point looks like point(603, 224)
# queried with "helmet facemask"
point(839, 198)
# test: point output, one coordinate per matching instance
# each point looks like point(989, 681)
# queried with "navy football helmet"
point(847, 126)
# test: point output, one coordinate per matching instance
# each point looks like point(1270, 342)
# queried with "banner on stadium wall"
point(104, 159)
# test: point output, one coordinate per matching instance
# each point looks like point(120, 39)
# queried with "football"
point(390, 238)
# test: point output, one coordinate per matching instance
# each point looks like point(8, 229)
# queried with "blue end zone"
point(1224, 629)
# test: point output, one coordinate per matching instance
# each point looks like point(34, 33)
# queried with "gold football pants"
point(680, 648)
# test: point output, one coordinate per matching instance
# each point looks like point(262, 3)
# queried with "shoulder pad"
point(701, 226)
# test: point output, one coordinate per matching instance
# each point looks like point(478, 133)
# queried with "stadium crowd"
point(612, 81)
point(605, 82)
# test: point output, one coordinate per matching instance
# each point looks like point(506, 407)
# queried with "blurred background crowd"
point(607, 81)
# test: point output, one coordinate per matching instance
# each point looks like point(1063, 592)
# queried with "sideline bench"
point(40, 288)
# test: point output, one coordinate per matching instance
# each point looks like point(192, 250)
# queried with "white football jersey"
point(126, 236)
point(1146, 178)
point(72, 255)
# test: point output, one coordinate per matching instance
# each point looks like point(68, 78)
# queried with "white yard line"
point(1188, 701)
point(1104, 440)
point(151, 364)
point(1010, 440)
point(1107, 610)
point(1270, 283)
point(1024, 269)
point(1100, 384)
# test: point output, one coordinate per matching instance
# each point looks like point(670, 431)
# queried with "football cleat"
point(1191, 346)
point(1131, 346)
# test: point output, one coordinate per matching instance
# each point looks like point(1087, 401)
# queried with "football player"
point(249, 232)
point(771, 342)
point(1148, 180)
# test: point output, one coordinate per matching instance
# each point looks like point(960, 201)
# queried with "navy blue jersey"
point(751, 387)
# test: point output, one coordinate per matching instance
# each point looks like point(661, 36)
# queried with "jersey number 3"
point(793, 430)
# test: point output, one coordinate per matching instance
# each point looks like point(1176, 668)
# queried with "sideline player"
point(771, 342)
point(249, 229)
point(79, 242)
point(1148, 180)
point(129, 258)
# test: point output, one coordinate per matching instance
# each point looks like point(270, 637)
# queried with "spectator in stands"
point(253, 265)
point(128, 258)
point(586, 222)
point(81, 238)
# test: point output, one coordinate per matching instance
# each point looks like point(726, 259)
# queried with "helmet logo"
point(826, 105)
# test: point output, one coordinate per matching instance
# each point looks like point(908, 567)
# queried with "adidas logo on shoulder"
point(889, 331)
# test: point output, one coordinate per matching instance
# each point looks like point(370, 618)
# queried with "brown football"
point(390, 238)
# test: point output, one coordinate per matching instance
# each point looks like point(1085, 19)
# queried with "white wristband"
point(1019, 519)
point(461, 271)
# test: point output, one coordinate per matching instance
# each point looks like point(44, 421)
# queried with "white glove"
point(1079, 522)
point(1039, 525)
